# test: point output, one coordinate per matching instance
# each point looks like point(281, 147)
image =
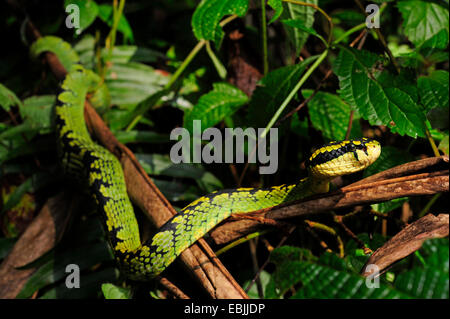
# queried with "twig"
point(314, 224)
point(174, 290)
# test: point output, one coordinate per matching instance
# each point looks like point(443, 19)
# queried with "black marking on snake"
point(327, 156)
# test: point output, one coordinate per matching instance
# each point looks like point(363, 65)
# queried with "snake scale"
point(102, 174)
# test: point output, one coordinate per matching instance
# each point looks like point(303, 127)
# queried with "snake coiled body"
point(101, 172)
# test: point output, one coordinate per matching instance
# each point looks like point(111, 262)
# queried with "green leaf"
point(111, 291)
point(327, 277)
point(55, 268)
point(209, 13)
point(433, 90)
point(443, 145)
point(30, 185)
point(88, 12)
point(330, 115)
point(8, 98)
point(176, 191)
point(349, 17)
point(429, 281)
point(264, 278)
point(105, 12)
point(6, 244)
point(298, 24)
point(63, 50)
point(380, 97)
point(156, 164)
point(276, 5)
point(424, 19)
point(132, 82)
point(90, 286)
point(126, 137)
point(271, 91)
point(37, 112)
point(222, 101)
point(305, 14)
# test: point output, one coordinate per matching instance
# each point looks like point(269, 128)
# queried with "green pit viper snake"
point(101, 171)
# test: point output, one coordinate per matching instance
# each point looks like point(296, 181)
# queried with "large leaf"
point(272, 89)
point(8, 98)
point(132, 82)
point(422, 20)
point(222, 101)
point(37, 112)
point(433, 89)
point(431, 279)
point(63, 50)
point(207, 16)
point(305, 14)
point(380, 97)
point(330, 115)
point(328, 277)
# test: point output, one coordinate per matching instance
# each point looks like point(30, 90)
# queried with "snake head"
point(344, 157)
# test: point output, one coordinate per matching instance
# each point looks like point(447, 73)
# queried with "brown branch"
point(381, 187)
point(205, 267)
point(408, 241)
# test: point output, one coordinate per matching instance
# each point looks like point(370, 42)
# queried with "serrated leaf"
point(111, 291)
point(330, 115)
point(433, 90)
point(372, 94)
point(207, 16)
point(105, 12)
point(63, 50)
point(271, 91)
point(297, 12)
point(222, 101)
point(8, 98)
point(424, 19)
